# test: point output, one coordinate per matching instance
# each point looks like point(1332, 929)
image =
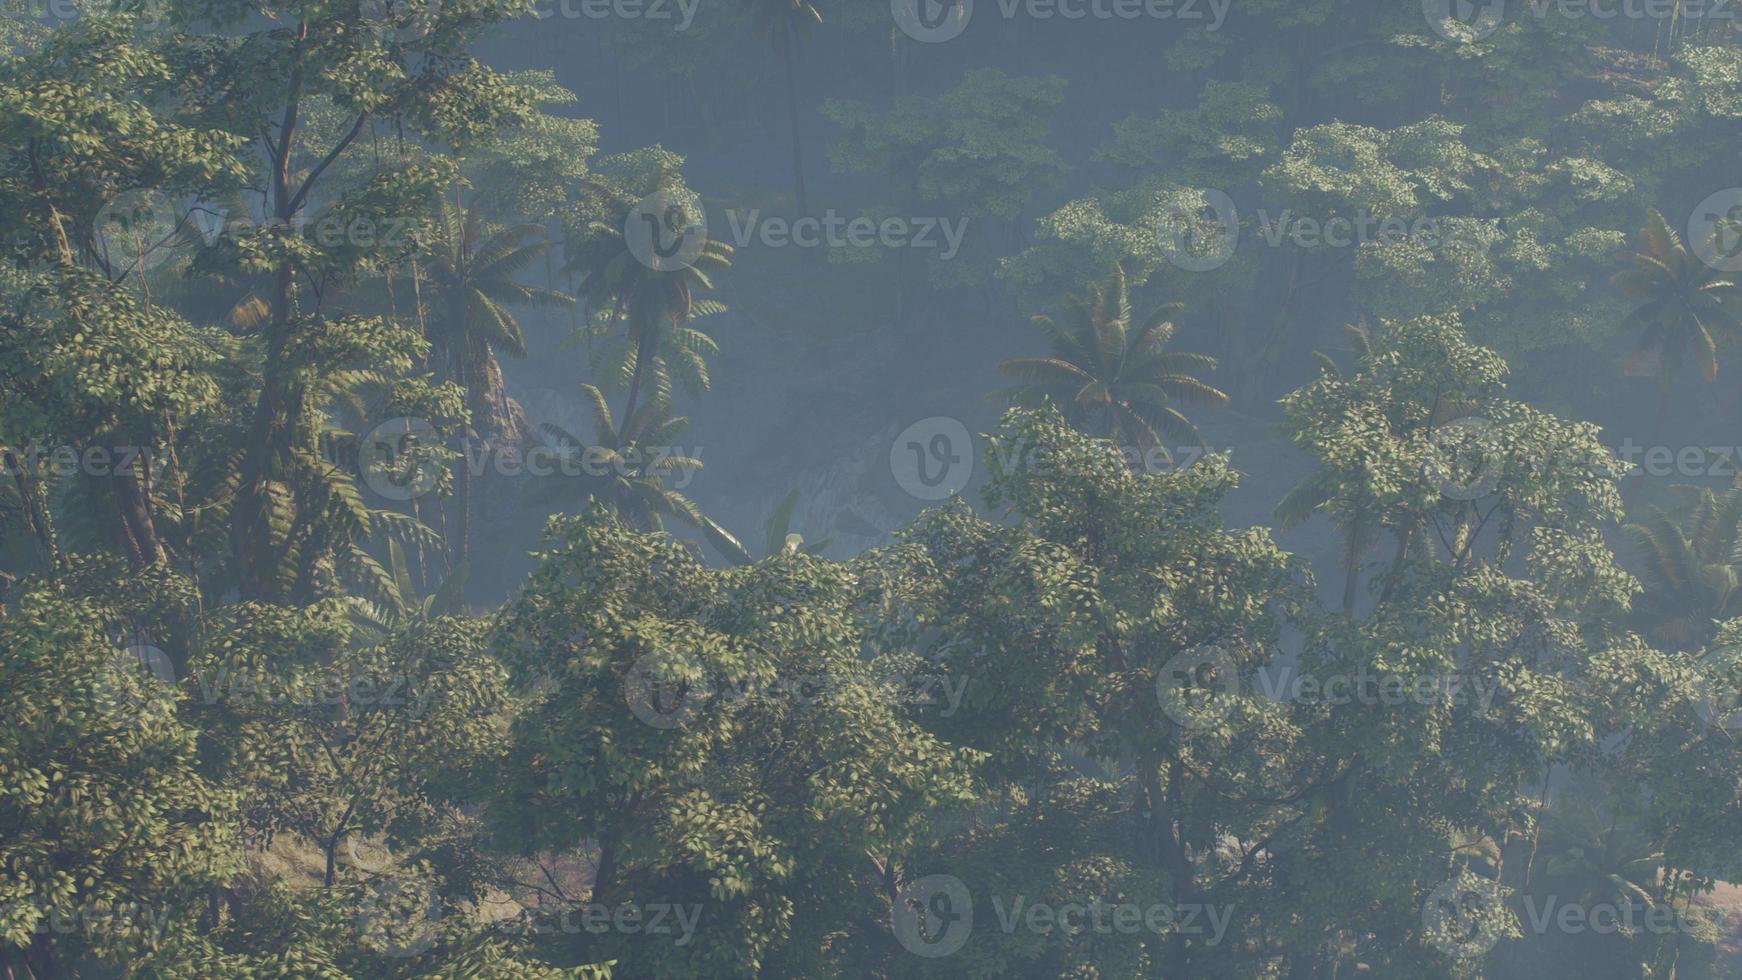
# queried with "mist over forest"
point(841, 489)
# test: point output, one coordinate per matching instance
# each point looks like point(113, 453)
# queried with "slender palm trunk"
point(634, 387)
point(463, 479)
point(1662, 410)
point(646, 338)
point(788, 43)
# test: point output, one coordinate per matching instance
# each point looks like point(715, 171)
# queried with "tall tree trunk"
point(268, 445)
point(133, 500)
point(270, 435)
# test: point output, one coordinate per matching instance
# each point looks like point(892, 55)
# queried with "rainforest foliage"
point(266, 269)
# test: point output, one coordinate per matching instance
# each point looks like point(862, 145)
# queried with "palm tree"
point(1112, 375)
point(1682, 300)
point(783, 23)
point(777, 536)
point(472, 275)
point(626, 467)
point(648, 301)
point(682, 353)
point(1692, 566)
